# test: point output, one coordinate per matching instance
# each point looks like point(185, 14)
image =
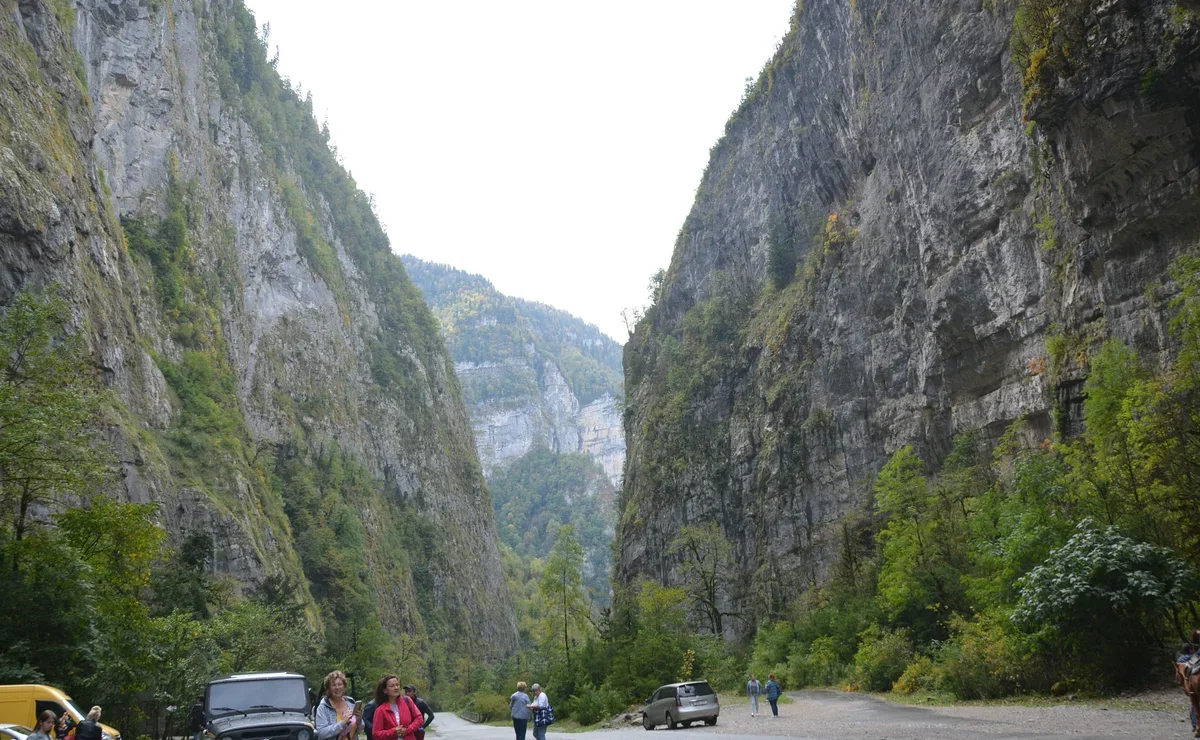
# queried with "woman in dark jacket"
point(90, 729)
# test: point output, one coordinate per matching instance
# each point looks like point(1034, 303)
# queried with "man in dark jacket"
point(368, 717)
point(411, 692)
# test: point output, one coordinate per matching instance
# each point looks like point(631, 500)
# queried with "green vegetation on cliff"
point(482, 325)
point(1063, 565)
point(543, 491)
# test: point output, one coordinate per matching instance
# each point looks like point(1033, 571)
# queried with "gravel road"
point(836, 715)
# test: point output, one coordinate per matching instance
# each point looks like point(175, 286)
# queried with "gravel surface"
point(837, 715)
point(832, 714)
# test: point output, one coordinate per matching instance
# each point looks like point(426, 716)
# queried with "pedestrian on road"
point(773, 694)
point(426, 713)
point(90, 729)
point(753, 689)
point(518, 705)
point(45, 723)
point(539, 706)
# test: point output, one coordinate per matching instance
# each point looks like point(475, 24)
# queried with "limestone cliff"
point(242, 301)
point(533, 376)
point(920, 221)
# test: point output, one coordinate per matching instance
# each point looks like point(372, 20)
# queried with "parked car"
point(252, 706)
point(21, 704)
point(14, 732)
point(681, 704)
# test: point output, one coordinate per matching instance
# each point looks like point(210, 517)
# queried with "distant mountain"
point(533, 376)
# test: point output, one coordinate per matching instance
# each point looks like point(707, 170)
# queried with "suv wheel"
point(710, 721)
point(646, 721)
point(671, 722)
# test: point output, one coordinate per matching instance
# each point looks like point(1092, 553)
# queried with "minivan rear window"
point(696, 689)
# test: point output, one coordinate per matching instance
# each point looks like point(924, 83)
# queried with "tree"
point(924, 554)
point(567, 612)
point(707, 562)
point(50, 405)
point(1105, 589)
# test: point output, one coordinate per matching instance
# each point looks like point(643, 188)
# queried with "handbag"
point(543, 716)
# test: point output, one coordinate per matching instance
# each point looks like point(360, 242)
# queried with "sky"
point(553, 147)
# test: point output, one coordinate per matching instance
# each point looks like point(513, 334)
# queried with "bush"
point(490, 706)
point(921, 675)
point(818, 665)
point(592, 705)
point(985, 658)
point(881, 659)
point(717, 665)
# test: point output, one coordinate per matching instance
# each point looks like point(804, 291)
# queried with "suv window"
point(275, 694)
point(696, 689)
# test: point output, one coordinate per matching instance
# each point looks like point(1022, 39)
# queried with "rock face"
point(533, 376)
point(124, 110)
point(941, 242)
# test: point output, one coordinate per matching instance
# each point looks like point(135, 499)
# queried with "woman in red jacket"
point(396, 716)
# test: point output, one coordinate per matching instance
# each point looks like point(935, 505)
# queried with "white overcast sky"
point(553, 146)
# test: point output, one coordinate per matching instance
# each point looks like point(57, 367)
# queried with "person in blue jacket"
point(773, 694)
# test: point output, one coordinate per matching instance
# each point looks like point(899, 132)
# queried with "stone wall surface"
point(102, 111)
point(943, 231)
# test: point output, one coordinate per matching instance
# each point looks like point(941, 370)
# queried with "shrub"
point(985, 658)
point(592, 705)
point(921, 675)
point(490, 706)
point(881, 658)
point(818, 665)
point(717, 665)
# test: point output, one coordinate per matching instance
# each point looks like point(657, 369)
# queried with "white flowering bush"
point(1103, 597)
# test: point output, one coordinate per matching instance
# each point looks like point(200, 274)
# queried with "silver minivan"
point(681, 703)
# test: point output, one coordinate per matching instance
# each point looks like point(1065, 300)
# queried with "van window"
point(696, 689)
point(53, 706)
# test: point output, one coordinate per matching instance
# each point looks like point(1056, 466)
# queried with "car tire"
point(671, 725)
point(646, 722)
point(710, 722)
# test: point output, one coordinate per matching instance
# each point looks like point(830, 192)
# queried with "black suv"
point(258, 706)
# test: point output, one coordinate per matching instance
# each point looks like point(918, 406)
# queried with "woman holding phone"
point(337, 715)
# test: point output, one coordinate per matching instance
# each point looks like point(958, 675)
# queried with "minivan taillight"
point(678, 702)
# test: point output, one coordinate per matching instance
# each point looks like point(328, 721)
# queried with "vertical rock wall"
point(939, 239)
point(107, 106)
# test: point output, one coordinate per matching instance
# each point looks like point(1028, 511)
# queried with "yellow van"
point(21, 704)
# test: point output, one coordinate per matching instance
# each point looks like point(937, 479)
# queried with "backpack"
point(543, 717)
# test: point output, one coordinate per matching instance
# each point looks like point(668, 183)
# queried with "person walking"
point(426, 713)
point(395, 714)
point(89, 728)
point(335, 712)
point(45, 724)
point(540, 706)
point(773, 694)
point(753, 689)
point(518, 705)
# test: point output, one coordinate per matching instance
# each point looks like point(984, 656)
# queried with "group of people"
point(395, 712)
point(772, 691)
point(64, 727)
point(524, 708)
